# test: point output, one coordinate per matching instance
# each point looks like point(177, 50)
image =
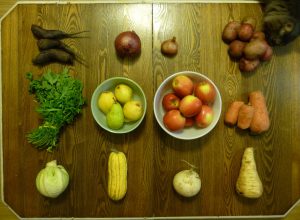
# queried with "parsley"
point(60, 101)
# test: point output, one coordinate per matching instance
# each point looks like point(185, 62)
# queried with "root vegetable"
point(128, 44)
point(231, 116)
point(250, 20)
point(245, 116)
point(230, 31)
point(44, 44)
point(117, 175)
point(187, 183)
point(260, 121)
point(268, 54)
point(255, 49)
point(258, 35)
point(41, 33)
point(169, 47)
point(236, 48)
point(248, 183)
point(248, 65)
point(245, 32)
point(53, 55)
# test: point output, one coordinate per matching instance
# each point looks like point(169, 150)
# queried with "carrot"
point(260, 121)
point(231, 115)
point(245, 116)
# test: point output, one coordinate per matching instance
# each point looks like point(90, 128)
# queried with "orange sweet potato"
point(231, 116)
point(245, 116)
point(260, 121)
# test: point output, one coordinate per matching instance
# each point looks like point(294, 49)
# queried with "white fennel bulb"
point(52, 180)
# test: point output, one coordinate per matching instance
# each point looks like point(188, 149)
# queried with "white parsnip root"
point(248, 183)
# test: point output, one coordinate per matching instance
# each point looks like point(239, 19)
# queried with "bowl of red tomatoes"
point(187, 105)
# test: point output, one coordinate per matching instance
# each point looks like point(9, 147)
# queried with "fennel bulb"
point(52, 180)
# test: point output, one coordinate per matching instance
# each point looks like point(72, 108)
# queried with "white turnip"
point(187, 183)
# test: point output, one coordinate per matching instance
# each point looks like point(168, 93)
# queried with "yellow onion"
point(169, 47)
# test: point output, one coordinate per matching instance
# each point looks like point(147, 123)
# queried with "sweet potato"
point(236, 48)
point(245, 32)
point(260, 121)
point(246, 65)
point(230, 31)
point(231, 116)
point(245, 116)
point(255, 49)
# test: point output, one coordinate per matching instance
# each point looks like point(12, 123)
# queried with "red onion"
point(128, 44)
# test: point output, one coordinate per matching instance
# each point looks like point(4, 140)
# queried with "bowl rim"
point(156, 97)
point(142, 97)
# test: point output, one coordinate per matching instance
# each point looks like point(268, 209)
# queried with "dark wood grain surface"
point(153, 156)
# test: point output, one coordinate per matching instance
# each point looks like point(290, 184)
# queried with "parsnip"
point(248, 183)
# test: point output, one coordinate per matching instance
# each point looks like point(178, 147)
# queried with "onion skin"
point(128, 44)
point(169, 47)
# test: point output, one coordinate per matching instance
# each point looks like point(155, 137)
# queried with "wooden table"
point(153, 157)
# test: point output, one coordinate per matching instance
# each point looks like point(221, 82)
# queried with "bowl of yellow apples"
point(118, 105)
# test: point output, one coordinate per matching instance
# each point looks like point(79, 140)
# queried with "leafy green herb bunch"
point(60, 100)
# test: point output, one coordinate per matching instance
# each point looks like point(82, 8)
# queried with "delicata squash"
point(117, 175)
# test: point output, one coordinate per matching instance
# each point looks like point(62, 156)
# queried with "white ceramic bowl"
point(191, 132)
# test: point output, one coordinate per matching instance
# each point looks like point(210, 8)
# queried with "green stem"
point(45, 136)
